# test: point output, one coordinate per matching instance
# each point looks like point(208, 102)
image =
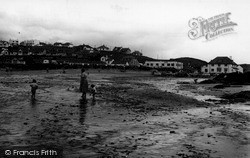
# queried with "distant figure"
point(47, 70)
point(83, 83)
point(34, 87)
point(93, 90)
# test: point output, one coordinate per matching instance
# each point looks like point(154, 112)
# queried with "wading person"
point(34, 87)
point(93, 90)
point(83, 84)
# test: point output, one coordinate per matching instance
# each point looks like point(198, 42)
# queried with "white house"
point(164, 64)
point(103, 48)
point(46, 61)
point(13, 42)
point(221, 65)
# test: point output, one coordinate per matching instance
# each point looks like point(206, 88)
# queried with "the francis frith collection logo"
point(210, 28)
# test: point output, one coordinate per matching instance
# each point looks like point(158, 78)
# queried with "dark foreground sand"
point(128, 119)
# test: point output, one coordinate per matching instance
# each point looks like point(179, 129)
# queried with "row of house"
point(5, 51)
point(215, 66)
point(82, 48)
point(11, 42)
point(15, 42)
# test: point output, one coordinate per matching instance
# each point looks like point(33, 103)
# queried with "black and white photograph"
point(124, 79)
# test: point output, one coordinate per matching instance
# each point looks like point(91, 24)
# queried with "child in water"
point(93, 90)
point(34, 87)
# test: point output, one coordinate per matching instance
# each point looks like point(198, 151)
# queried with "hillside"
point(118, 57)
point(191, 64)
point(246, 67)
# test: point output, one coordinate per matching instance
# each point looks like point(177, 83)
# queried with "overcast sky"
point(157, 27)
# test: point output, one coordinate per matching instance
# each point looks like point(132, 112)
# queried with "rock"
point(209, 135)
point(25, 123)
point(172, 132)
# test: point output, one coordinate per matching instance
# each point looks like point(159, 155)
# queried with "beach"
point(134, 115)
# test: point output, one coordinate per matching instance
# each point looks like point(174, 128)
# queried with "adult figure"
point(83, 84)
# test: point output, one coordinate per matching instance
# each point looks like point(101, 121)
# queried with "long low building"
point(164, 64)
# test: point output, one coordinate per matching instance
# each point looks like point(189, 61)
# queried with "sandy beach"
point(135, 115)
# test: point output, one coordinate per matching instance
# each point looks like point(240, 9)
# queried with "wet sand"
point(131, 117)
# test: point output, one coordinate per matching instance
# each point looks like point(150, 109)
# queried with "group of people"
point(84, 86)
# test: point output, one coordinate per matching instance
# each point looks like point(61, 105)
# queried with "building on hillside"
point(87, 47)
point(4, 51)
point(13, 53)
point(137, 53)
point(122, 50)
point(107, 60)
point(30, 43)
point(221, 65)
point(18, 61)
point(103, 48)
point(4, 44)
point(125, 51)
point(131, 61)
point(20, 52)
point(164, 64)
point(46, 61)
point(67, 44)
point(42, 44)
point(117, 49)
point(13, 42)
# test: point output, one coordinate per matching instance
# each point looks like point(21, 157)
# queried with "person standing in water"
point(34, 87)
point(83, 84)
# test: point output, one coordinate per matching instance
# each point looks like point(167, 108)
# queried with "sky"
point(158, 28)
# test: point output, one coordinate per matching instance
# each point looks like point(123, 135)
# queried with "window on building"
point(147, 64)
point(218, 69)
point(218, 64)
point(225, 64)
point(162, 64)
point(157, 64)
point(225, 70)
point(151, 64)
point(212, 70)
point(212, 64)
point(205, 70)
point(172, 64)
point(168, 65)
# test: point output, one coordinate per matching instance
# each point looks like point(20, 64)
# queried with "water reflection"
point(33, 102)
point(83, 110)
